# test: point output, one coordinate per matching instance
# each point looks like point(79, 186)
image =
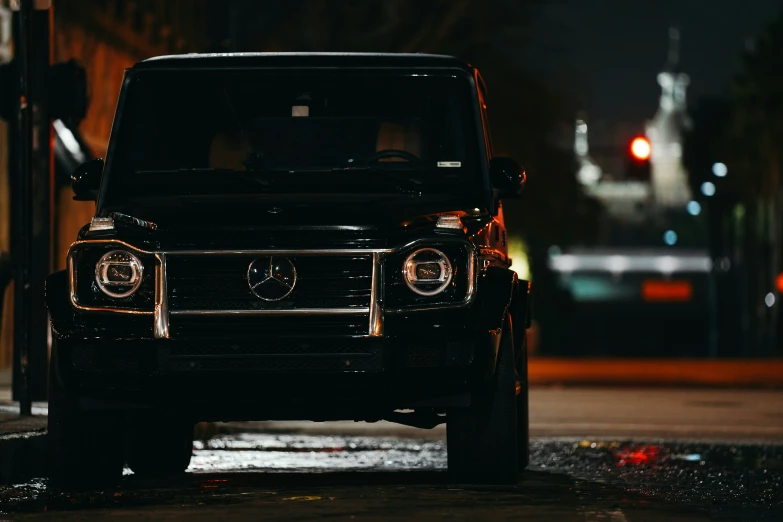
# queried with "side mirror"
point(86, 179)
point(507, 177)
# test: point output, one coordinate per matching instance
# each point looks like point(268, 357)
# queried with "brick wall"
point(106, 36)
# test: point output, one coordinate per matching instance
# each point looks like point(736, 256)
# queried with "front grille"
point(272, 355)
point(266, 327)
point(425, 355)
point(91, 357)
point(220, 283)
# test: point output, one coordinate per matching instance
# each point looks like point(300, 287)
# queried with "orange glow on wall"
point(640, 148)
point(661, 291)
point(779, 282)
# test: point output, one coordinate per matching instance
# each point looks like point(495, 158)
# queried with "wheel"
point(482, 439)
point(159, 444)
point(84, 448)
point(523, 406)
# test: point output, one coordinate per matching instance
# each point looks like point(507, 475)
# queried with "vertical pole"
point(22, 224)
point(712, 296)
point(714, 213)
point(42, 191)
point(31, 195)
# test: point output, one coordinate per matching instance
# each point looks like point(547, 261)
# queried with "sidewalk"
point(22, 439)
point(22, 444)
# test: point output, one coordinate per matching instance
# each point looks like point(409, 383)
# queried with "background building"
point(666, 134)
point(637, 195)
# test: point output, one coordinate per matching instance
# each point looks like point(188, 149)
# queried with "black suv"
point(290, 236)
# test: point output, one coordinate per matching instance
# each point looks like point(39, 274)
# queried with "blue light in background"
point(694, 208)
point(720, 170)
point(670, 237)
point(708, 188)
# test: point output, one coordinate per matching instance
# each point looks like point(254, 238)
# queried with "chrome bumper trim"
point(376, 310)
point(161, 328)
point(293, 311)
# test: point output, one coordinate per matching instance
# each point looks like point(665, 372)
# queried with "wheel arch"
point(503, 295)
point(58, 302)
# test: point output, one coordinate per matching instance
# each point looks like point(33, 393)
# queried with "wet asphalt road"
point(616, 460)
point(302, 477)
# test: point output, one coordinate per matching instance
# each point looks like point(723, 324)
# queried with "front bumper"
point(425, 359)
point(264, 362)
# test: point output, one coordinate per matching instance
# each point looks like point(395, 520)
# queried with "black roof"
point(307, 60)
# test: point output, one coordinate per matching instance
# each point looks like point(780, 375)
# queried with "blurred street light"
point(720, 170)
point(708, 188)
point(670, 237)
point(779, 282)
point(694, 208)
point(769, 300)
point(640, 148)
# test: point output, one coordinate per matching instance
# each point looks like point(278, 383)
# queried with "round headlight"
point(427, 271)
point(118, 273)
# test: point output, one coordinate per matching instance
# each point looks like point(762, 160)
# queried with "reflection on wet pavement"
point(344, 475)
point(307, 453)
point(696, 474)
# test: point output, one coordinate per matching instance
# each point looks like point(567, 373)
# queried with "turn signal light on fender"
point(449, 222)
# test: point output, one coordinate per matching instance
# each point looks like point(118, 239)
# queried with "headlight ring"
point(427, 271)
point(118, 274)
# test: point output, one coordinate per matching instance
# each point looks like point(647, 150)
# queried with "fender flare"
point(58, 303)
point(498, 288)
point(521, 317)
point(502, 293)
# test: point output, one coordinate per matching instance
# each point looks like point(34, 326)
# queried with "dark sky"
point(605, 54)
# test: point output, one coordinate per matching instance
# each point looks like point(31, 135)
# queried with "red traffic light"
point(640, 148)
point(779, 282)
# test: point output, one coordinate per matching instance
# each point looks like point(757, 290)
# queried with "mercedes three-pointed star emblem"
point(271, 278)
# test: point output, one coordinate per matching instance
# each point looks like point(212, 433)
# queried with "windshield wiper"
point(188, 170)
point(272, 177)
point(402, 184)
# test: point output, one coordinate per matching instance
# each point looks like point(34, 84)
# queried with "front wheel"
point(523, 406)
point(85, 448)
point(483, 441)
point(159, 444)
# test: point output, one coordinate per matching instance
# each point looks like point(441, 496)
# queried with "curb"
point(22, 456)
point(722, 373)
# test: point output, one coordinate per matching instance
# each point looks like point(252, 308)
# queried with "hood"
point(294, 224)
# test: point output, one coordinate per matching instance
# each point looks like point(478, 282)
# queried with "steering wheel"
point(393, 153)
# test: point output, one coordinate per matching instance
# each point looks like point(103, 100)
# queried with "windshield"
point(212, 132)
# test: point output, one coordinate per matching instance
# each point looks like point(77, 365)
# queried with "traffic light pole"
point(23, 213)
point(30, 166)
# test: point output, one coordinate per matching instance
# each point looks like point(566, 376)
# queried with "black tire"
point(523, 406)
point(482, 441)
point(159, 444)
point(84, 448)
